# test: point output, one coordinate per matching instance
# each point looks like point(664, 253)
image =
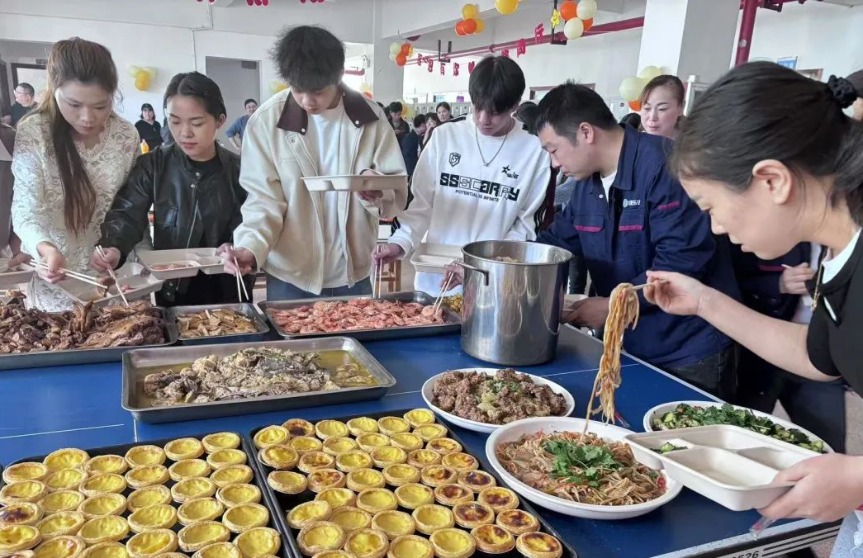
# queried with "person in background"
point(856, 81)
point(148, 127)
point(313, 243)
point(628, 215)
point(633, 120)
point(194, 189)
point(413, 143)
point(443, 111)
point(10, 244)
point(432, 122)
point(399, 125)
point(526, 114)
point(238, 128)
point(662, 106)
point(167, 138)
point(25, 101)
point(483, 178)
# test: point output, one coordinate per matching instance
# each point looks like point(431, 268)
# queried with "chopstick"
point(619, 418)
point(643, 285)
point(241, 283)
point(114, 277)
point(444, 289)
point(760, 526)
point(75, 275)
point(377, 281)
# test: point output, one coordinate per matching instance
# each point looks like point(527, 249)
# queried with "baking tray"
point(244, 445)
point(198, 259)
point(282, 503)
point(355, 183)
point(11, 279)
point(433, 258)
point(82, 356)
point(135, 361)
point(452, 321)
point(142, 284)
point(242, 308)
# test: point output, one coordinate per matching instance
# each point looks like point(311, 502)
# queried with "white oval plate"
point(660, 410)
point(514, 430)
point(485, 427)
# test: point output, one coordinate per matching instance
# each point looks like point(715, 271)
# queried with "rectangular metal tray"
point(452, 321)
point(134, 361)
point(261, 483)
point(82, 356)
point(243, 308)
point(282, 503)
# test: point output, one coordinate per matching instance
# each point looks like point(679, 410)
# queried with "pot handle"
point(472, 268)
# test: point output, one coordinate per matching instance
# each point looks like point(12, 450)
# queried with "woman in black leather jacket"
point(194, 188)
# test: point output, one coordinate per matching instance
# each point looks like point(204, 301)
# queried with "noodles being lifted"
point(622, 313)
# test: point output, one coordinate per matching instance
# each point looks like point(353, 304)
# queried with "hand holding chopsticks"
point(73, 274)
point(110, 270)
point(240, 284)
point(449, 279)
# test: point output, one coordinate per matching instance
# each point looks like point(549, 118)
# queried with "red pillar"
point(747, 26)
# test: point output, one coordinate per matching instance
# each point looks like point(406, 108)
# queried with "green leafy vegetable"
point(668, 447)
point(580, 463)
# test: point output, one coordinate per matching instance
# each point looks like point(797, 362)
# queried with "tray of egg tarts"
point(394, 485)
point(193, 497)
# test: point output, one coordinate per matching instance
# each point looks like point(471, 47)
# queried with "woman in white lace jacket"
point(71, 156)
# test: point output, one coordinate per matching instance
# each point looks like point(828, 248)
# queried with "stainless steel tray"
point(243, 308)
point(452, 321)
point(82, 356)
point(136, 363)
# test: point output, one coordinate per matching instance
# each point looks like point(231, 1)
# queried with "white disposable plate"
point(355, 183)
point(433, 258)
point(193, 260)
point(132, 274)
point(485, 427)
point(660, 410)
point(11, 279)
point(515, 430)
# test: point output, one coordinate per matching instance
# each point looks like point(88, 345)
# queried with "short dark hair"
point(396, 106)
point(147, 106)
point(526, 114)
point(443, 104)
point(196, 84)
point(247, 101)
point(496, 85)
point(28, 89)
point(419, 120)
point(856, 80)
point(433, 116)
point(309, 58)
point(632, 119)
point(665, 80)
point(567, 106)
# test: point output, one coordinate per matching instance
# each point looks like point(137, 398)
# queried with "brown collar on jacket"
point(295, 119)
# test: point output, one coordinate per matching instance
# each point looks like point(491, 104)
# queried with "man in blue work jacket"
point(628, 215)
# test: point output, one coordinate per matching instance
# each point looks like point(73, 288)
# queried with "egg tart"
point(107, 528)
point(232, 474)
point(419, 417)
point(21, 554)
point(452, 494)
point(106, 550)
point(147, 475)
point(152, 543)
point(438, 475)
point(353, 460)
point(538, 545)
point(320, 536)
point(476, 480)
point(429, 432)
point(62, 523)
point(316, 460)
point(200, 510)
point(305, 444)
point(351, 519)
point(106, 464)
point(331, 429)
point(406, 441)
point(410, 546)
point(66, 458)
point(103, 483)
point(498, 498)
point(444, 446)
point(61, 547)
point(393, 425)
point(23, 491)
point(362, 425)
point(308, 513)
point(338, 497)
point(184, 448)
point(517, 522)
point(220, 440)
point(322, 479)
point(240, 519)
point(361, 479)
point(260, 542)
point(413, 495)
point(28, 470)
point(388, 455)
point(65, 479)
point(493, 539)
point(172, 555)
point(333, 554)
point(14, 538)
point(459, 461)
point(452, 543)
point(190, 489)
point(287, 482)
point(394, 523)
point(338, 445)
point(60, 501)
point(148, 496)
point(271, 436)
point(397, 475)
point(226, 458)
point(423, 458)
point(219, 550)
point(160, 516)
point(367, 543)
point(236, 494)
point(188, 469)
point(195, 537)
point(432, 517)
point(368, 442)
point(472, 514)
point(374, 500)
point(103, 504)
point(279, 457)
point(142, 456)
point(299, 427)
point(20, 513)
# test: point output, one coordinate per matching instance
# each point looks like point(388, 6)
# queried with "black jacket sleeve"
point(126, 221)
point(410, 151)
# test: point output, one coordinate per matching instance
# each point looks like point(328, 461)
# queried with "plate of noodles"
point(553, 464)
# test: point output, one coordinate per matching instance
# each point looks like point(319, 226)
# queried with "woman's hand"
point(237, 259)
point(826, 488)
point(54, 261)
point(109, 262)
point(674, 293)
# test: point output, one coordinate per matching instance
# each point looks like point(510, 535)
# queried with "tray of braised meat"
point(31, 338)
point(390, 316)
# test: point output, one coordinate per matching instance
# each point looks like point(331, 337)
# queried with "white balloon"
point(586, 9)
point(395, 49)
point(574, 28)
point(393, 56)
point(650, 72)
point(631, 88)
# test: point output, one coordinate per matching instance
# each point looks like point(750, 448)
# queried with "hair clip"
point(842, 91)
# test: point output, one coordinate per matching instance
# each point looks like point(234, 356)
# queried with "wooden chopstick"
point(75, 275)
point(643, 285)
point(241, 282)
point(444, 289)
point(114, 277)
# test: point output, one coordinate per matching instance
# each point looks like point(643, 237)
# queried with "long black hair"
point(195, 84)
point(762, 111)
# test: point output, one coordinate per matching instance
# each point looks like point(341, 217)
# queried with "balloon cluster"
point(470, 22)
point(400, 52)
point(143, 77)
point(506, 7)
point(631, 87)
point(578, 17)
point(258, 2)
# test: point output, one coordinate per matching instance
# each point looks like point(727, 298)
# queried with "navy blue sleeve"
point(410, 151)
point(234, 130)
point(562, 232)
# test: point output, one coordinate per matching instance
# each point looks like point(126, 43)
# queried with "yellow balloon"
point(585, 9)
point(506, 7)
point(573, 29)
point(649, 72)
point(142, 81)
point(407, 110)
point(469, 11)
point(631, 88)
point(480, 26)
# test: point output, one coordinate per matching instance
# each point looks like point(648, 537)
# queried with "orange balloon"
point(401, 59)
point(635, 105)
point(469, 26)
point(459, 29)
point(406, 49)
point(588, 23)
point(568, 10)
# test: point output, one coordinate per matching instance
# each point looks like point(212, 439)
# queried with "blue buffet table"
point(79, 406)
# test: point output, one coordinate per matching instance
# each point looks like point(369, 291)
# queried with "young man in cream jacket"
point(313, 244)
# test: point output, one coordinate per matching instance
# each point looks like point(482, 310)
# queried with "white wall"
point(237, 84)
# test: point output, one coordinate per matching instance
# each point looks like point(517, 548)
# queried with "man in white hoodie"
point(483, 178)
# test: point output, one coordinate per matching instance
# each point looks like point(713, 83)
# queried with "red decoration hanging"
point(430, 61)
point(520, 47)
point(505, 53)
point(419, 60)
point(442, 69)
point(455, 68)
point(471, 65)
point(539, 32)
